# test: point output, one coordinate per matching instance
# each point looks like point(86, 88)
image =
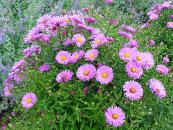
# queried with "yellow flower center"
point(19, 75)
point(138, 58)
point(126, 55)
point(104, 75)
point(79, 39)
point(115, 116)
point(98, 41)
point(10, 90)
point(133, 70)
point(91, 56)
point(29, 100)
point(86, 72)
point(132, 90)
point(30, 37)
point(67, 20)
point(76, 56)
point(157, 90)
point(63, 58)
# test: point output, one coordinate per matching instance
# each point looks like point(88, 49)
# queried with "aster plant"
point(73, 76)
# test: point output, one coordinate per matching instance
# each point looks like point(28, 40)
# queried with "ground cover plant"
point(79, 73)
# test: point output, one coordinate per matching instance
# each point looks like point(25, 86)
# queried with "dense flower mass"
point(115, 116)
point(64, 51)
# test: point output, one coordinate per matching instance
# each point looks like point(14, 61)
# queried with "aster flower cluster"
point(155, 12)
point(47, 28)
point(136, 63)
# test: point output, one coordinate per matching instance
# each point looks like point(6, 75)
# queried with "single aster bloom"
point(20, 64)
point(29, 100)
point(129, 29)
point(67, 42)
point(169, 24)
point(148, 60)
point(64, 76)
point(133, 90)
point(157, 88)
point(115, 116)
point(63, 57)
point(44, 68)
point(79, 40)
point(91, 54)
point(165, 60)
point(8, 90)
point(125, 34)
point(76, 56)
point(104, 74)
point(133, 43)
point(162, 69)
point(98, 40)
point(151, 42)
point(19, 77)
point(153, 16)
point(139, 58)
point(86, 72)
point(44, 19)
point(127, 54)
point(134, 70)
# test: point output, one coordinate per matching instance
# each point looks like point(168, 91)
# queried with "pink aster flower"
point(79, 40)
point(63, 57)
point(108, 1)
point(19, 77)
point(151, 42)
point(18, 65)
point(29, 100)
point(133, 43)
point(98, 40)
point(44, 68)
point(44, 19)
point(165, 60)
point(77, 55)
point(129, 29)
point(169, 24)
point(125, 34)
point(67, 42)
point(115, 116)
point(28, 52)
point(162, 69)
point(171, 16)
point(153, 16)
point(104, 74)
point(157, 88)
point(64, 76)
point(166, 4)
point(134, 70)
point(58, 21)
point(90, 19)
point(148, 60)
point(91, 54)
point(86, 72)
point(133, 90)
point(127, 54)
point(113, 22)
point(8, 90)
point(139, 58)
